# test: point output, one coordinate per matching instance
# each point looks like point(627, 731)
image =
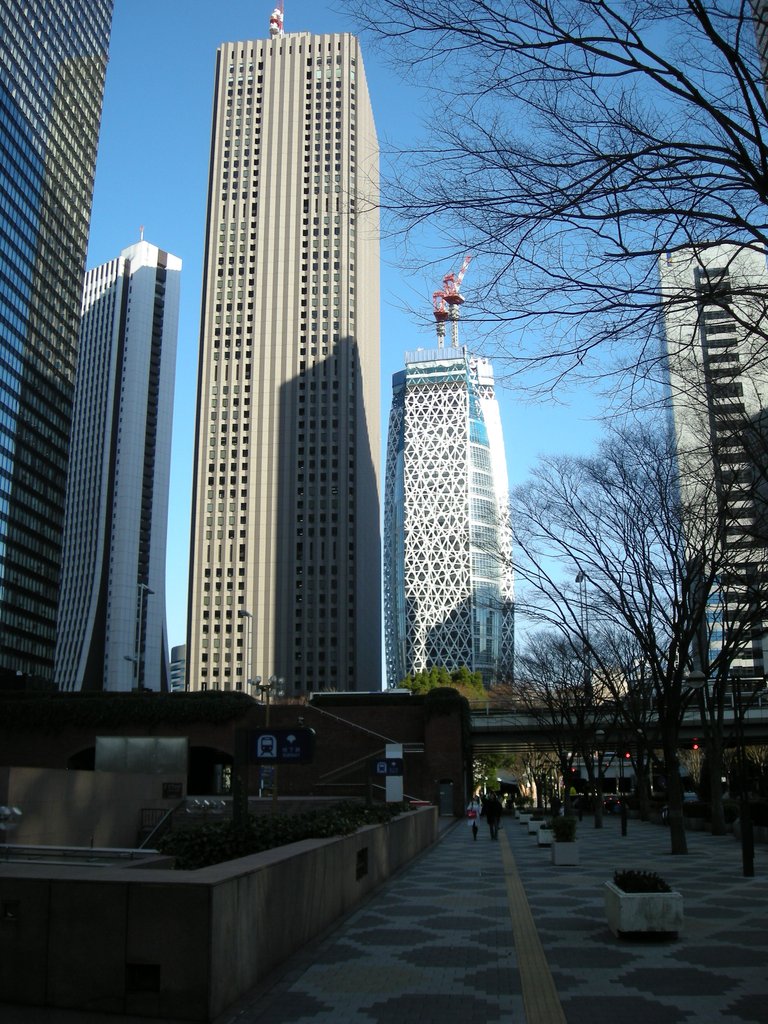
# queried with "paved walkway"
point(492, 932)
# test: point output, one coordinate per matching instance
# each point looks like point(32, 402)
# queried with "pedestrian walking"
point(473, 813)
point(493, 811)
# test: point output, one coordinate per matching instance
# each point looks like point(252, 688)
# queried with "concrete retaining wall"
point(82, 808)
point(184, 945)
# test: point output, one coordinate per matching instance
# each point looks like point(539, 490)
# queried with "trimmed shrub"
point(564, 829)
point(199, 846)
point(631, 880)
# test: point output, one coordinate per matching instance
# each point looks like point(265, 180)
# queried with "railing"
point(488, 718)
point(155, 821)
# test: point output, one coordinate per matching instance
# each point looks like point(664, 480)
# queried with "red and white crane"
point(446, 304)
point(276, 22)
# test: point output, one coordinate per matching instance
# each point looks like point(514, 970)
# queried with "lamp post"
point(745, 811)
point(581, 579)
point(274, 685)
point(243, 614)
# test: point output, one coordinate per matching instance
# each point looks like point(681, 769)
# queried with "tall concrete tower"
point(285, 544)
point(112, 628)
point(53, 58)
point(448, 585)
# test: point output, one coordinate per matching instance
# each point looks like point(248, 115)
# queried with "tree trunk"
point(679, 844)
point(715, 768)
point(599, 802)
point(643, 774)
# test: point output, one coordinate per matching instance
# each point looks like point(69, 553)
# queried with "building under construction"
point(448, 583)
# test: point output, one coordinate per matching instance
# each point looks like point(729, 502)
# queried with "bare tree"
point(632, 689)
point(654, 554)
point(570, 144)
point(575, 712)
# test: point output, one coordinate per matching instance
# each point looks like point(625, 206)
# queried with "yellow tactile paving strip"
point(542, 1005)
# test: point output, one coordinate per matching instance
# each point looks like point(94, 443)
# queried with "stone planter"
point(565, 855)
point(545, 837)
point(534, 826)
point(648, 912)
point(524, 818)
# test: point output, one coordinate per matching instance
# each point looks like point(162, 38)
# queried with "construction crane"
point(276, 22)
point(446, 302)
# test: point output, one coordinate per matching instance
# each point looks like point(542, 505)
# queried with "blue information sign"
point(282, 746)
point(388, 766)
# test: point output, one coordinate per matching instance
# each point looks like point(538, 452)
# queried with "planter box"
point(524, 818)
point(648, 912)
point(546, 837)
point(533, 827)
point(565, 855)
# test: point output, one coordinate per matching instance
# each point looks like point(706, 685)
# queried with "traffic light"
point(695, 744)
point(627, 755)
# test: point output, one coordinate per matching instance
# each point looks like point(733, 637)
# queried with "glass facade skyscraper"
point(448, 591)
point(111, 622)
point(53, 58)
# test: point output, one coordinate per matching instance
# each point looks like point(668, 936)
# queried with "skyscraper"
point(179, 668)
point(448, 597)
point(53, 57)
point(112, 629)
point(715, 301)
point(285, 525)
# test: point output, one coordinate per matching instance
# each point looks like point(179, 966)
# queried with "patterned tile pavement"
point(446, 940)
point(493, 933)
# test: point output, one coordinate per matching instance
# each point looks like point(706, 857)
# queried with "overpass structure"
point(504, 728)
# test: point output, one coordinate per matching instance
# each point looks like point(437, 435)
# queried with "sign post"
point(394, 783)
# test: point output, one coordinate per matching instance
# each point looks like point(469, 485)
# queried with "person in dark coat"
point(493, 811)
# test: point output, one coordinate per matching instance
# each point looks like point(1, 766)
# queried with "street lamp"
point(581, 579)
point(745, 811)
point(274, 685)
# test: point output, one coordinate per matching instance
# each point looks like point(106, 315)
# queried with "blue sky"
point(152, 170)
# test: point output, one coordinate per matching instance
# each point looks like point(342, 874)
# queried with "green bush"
point(564, 829)
point(631, 880)
point(200, 846)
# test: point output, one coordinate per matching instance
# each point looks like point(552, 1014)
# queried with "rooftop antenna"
point(276, 22)
point(141, 232)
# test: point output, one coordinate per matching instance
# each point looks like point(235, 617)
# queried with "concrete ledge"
point(186, 944)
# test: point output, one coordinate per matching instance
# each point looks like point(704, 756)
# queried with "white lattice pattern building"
point(447, 570)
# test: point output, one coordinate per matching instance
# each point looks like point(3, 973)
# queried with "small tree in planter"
point(535, 822)
point(642, 902)
point(565, 852)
